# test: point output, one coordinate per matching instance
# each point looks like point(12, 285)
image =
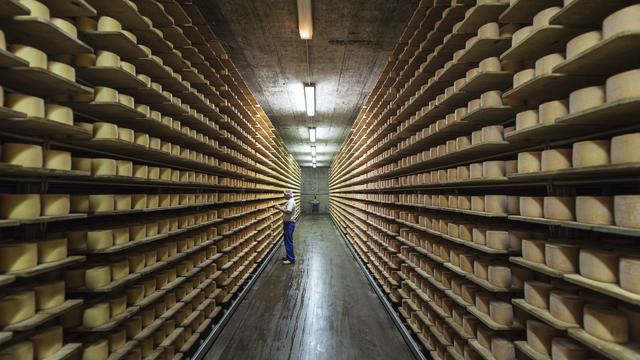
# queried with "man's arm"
point(283, 209)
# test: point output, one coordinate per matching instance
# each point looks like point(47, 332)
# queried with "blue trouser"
point(288, 240)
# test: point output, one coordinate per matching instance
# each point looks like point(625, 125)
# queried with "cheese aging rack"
point(490, 181)
point(138, 178)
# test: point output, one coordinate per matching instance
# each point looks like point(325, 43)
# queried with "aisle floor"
point(320, 308)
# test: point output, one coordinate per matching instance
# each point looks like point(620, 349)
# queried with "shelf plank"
point(550, 86)
point(603, 171)
point(114, 41)
point(523, 11)
point(106, 110)
point(544, 315)
point(541, 268)
point(40, 219)
point(41, 82)
point(609, 229)
point(43, 316)
point(527, 350)
point(611, 350)
point(612, 290)
point(486, 81)
point(29, 30)
point(546, 40)
point(68, 351)
point(122, 11)
point(47, 267)
point(480, 15)
point(588, 13)
point(70, 8)
point(607, 57)
point(7, 60)
point(45, 128)
point(112, 77)
point(10, 8)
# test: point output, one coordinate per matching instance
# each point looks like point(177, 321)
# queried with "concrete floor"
point(320, 308)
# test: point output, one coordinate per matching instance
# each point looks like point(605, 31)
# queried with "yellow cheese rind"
point(48, 342)
point(627, 210)
point(623, 20)
point(49, 295)
point(19, 206)
point(629, 271)
point(16, 307)
point(26, 155)
point(566, 306)
point(18, 256)
point(599, 265)
point(606, 323)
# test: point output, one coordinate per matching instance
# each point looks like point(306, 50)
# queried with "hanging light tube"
point(312, 134)
point(305, 19)
point(313, 150)
point(310, 99)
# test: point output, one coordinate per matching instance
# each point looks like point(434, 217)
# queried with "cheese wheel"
point(537, 293)
point(502, 349)
point(96, 351)
point(128, 67)
point(49, 295)
point(27, 155)
point(18, 256)
point(498, 240)
point(492, 133)
point(493, 169)
point(526, 119)
point(107, 59)
point(141, 139)
point(62, 69)
point(97, 277)
point(633, 315)
point(102, 130)
point(81, 164)
point(136, 262)
point(566, 349)
point(586, 98)
point(562, 257)
point(118, 305)
point(489, 30)
point(622, 148)
point(131, 35)
point(530, 161)
point(48, 342)
point(501, 312)
point(520, 35)
point(99, 239)
point(533, 250)
point(582, 42)
point(125, 134)
point(629, 270)
point(599, 265)
point(555, 159)
point(55, 204)
point(531, 206)
point(19, 206)
point(482, 302)
point(491, 64)
point(541, 19)
point(621, 21)
point(52, 250)
point(124, 168)
point(35, 57)
point(133, 327)
point(59, 113)
point(117, 340)
point(606, 323)
point(500, 276)
point(545, 64)
point(594, 210)
point(126, 100)
point(627, 210)
point(20, 351)
point(550, 111)
point(522, 76)
point(122, 202)
point(559, 208)
point(17, 307)
point(477, 203)
point(101, 203)
point(590, 153)
point(120, 236)
point(106, 23)
point(145, 79)
point(481, 269)
point(30, 105)
point(539, 336)
point(491, 99)
point(495, 204)
point(105, 94)
point(566, 306)
point(623, 86)
point(56, 160)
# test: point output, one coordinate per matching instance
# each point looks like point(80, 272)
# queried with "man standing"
point(288, 216)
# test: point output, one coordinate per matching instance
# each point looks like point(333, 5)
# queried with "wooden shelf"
point(153, 40)
point(523, 11)
point(605, 171)
point(608, 289)
point(114, 41)
point(587, 13)
point(607, 57)
point(480, 15)
point(544, 315)
point(7, 60)
point(10, 8)
point(28, 30)
point(154, 10)
point(538, 267)
point(121, 11)
point(41, 82)
point(549, 87)
point(112, 77)
point(486, 81)
point(111, 324)
point(43, 316)
point(481, 350)
point(609, 229)
point(40, 219)
point(106, 110)
point(44, 128)
point(628, 351)
point(48, 267)
point(68, 351)
point(546, 40)
point(529, 352)
point(70, 8)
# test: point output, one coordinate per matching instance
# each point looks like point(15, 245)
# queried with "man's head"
point(288, 194)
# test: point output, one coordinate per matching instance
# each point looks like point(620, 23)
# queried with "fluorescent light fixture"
point(310, 99)
point(312, 134)
point(313, 159)
point(314, 165)
point(305, 20)
point(313, 150)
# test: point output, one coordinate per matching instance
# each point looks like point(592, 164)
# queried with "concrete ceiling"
point(352, 41)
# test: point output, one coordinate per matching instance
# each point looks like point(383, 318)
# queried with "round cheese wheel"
point(117, 340)
point(594, 210)
point(145, 79)
point(623, 20)
point(26, 155)
point(627, 210)
point(126, 100)
point(97, 277)
point(106, 24)
point(526, 119)
point(491, 99)
point(586, 98)
point(590, 153)
point(55, 204)
point(124, 168)
point(141, 139)
point(99, 239)
point(125, 134)
point(537, 293)
point(133, 327)
point(550, 111)
point(30, 105)
point(566, 306)
point(493, 169)
point(102, 130)
point(96, 351)
point(501, 312)
point(105, 94)
point(562, 257)
point(35, 57)
point(533, 250)
point(555, 159)
point(118, 305)
point(16, 307)
point(531, 206)
point(66, 25)
point(523, 76)
point(481, 269)
point(520, 35)
point(103, 167)
point(545, 64)
point(107, 59)
point(530, 161)
point(566, 349)
point(541, 19)
point(599, 265)
point(633, 315)
point(59, 113)
point(498, 240)
point(606, 323)
point(500, 276)
point(122, 202)
point(36, 9)
point(57, 160)
point(131, 35)
point(491, 64)
point(62, 69)
point(120, 236)
point(19, 206)
point(128, 67)
point(48, 342)
point(101, 203)
point(582, 42)
point(52, 250)
point(539, 336)
point(19, 351)
point(559, 208)
point(502, 349)
point(49, 295)
point(623, 86)
point(629, 270)
point(18, 256)
point(492, 133)
point(622, 148)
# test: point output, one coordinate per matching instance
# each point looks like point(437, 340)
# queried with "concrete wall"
point(315, 182)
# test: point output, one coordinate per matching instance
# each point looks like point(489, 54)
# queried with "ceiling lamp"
point(305, 20)
point(313, 150)
point(310, 99)
point(312, 134)
point(314, 165)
